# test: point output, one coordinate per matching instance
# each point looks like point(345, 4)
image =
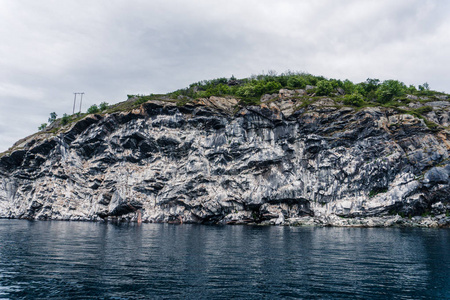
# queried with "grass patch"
point(183, 101)
point(249, 101)
point(304, 104)
point(423, 110)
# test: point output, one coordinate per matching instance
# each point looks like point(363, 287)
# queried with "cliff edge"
point(290, 159)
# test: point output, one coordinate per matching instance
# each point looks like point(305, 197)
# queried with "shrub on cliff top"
point(296, 82)
point(355, 99)
point(93, 109)
point(65, 119)
point(43, 126)
point(103, 106)
point(256, 88)
point(52, 118)
point(324, 88)
point(390, 89)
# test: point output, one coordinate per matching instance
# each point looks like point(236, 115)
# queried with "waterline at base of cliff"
point(440, 221)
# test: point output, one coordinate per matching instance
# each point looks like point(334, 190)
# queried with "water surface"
point(70, 260)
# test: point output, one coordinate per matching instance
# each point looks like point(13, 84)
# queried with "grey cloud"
point(112, 48)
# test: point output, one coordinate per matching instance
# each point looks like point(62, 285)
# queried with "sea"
point(89, 260)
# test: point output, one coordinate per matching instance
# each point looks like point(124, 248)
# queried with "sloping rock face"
point(213, 162)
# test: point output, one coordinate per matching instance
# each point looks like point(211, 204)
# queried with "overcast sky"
point(108, 48)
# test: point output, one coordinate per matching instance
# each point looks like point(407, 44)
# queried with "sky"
point(109, 48)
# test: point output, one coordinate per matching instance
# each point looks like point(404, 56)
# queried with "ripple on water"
point(95, 260)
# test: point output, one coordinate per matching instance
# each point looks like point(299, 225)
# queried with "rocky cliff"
point(285, 161)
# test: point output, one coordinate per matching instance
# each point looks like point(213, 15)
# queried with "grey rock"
point(438, 104)
point(212, 161)
point(437, 175)
point(415, 104)
point(340, 91)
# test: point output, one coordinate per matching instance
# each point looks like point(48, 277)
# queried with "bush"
point(324, 88)
point(222, 89)
point(390, 89)
point(271, 87)
point(368, 87)
point(348, 86)
point(296, 82)
point(360, 89)
point(103, 106)
point(93, 109)
point(411, 89)
point(246, 91)
point(312, 80)
point(52, 118)
point(424, 87)
point(65, 119)
point(354, 100)
point(372, 84)
point(43, 126)
point(336, 83)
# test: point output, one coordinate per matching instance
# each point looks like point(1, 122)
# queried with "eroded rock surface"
point(283, 162)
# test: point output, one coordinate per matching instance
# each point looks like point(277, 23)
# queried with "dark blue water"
point(69, 260)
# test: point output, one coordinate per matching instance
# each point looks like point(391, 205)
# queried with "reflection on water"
point(91, 260)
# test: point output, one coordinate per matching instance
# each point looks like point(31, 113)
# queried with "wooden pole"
point(81, 101)
point(74, 100)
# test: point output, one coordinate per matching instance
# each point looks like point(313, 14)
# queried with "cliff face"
point(282, 162)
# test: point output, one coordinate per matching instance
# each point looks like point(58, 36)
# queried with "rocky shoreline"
point(440, 221)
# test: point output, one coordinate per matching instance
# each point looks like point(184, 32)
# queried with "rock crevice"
point(212, 161)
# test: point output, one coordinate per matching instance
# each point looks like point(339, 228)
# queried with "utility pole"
point(81, 101)
point(75, 100)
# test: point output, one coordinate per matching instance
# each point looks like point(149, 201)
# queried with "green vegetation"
point(391, 94)
point(390, 89)
point(424, 87)
point(103, 106)
point(65, 119)
point(423, 110)
point(249, 90)
point(93, 109)
point(43, 126)
point(296, 82)
point(142, 99)
point(355, 99)
point(372, 92)
point(324, 88)
point(52, 118)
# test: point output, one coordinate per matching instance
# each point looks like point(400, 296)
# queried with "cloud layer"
point(108, 49)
